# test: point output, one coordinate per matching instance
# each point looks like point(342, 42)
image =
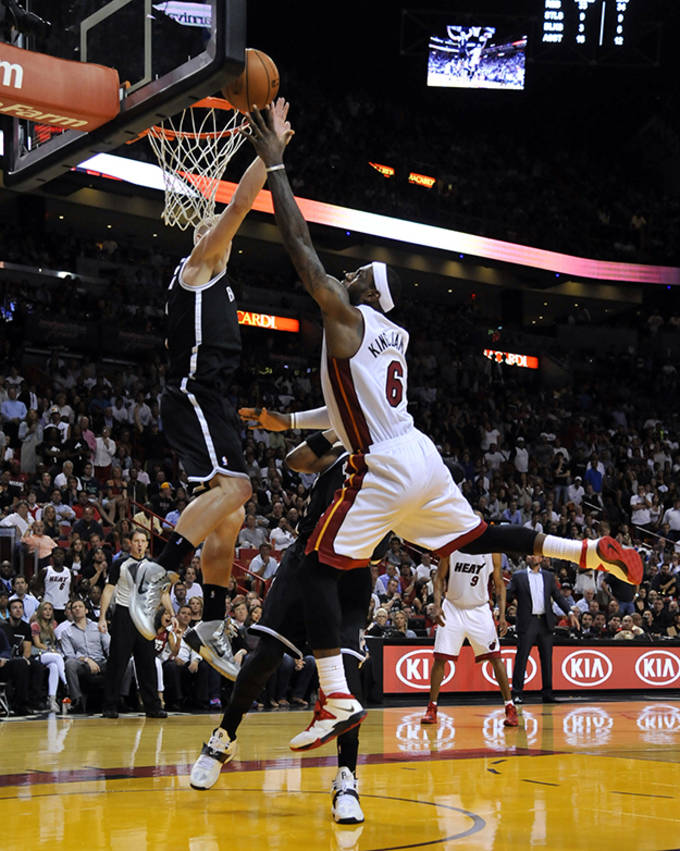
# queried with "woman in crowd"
point(45, 647)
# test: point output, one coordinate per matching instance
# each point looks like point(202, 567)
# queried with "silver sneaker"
point(150, 580)
point(345, 798)
point(218, 752)
point(211, 641)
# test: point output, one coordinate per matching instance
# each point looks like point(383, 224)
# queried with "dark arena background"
point(517, 164)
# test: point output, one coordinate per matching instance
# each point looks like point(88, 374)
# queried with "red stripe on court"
point(346, 398)
point(85, 775)
point(331, 520)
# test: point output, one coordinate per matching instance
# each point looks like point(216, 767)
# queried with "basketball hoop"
point(193, 150)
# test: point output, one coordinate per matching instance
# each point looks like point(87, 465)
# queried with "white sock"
point(332, 675)
point(562, 548)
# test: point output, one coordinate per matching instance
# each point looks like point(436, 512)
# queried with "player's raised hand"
point(280, 124)
point(262, 418)
point(262, 133)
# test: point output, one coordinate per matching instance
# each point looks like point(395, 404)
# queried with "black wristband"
point(318, 444)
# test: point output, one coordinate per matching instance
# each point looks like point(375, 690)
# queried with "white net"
point(193, 150)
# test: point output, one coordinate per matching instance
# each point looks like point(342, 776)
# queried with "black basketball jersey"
point(204, 339)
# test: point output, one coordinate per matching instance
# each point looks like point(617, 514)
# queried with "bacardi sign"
point(269, 321)
point(511, 359)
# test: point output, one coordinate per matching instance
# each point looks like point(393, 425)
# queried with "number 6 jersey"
point(366, 394)
point(469, 576)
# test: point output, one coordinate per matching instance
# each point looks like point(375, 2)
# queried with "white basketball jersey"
point(366, 394)
point(469, 580)
point(57, 587)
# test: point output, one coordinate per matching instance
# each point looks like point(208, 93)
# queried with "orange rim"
point(205, 103)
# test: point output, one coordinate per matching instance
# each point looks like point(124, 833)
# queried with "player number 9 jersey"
point(469, 576)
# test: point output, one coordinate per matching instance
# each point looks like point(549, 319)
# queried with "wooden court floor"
point(582, 775)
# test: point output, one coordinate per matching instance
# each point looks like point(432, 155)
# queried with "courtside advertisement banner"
point(407, 668)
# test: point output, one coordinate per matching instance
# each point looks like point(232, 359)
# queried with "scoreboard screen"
point(587, 23)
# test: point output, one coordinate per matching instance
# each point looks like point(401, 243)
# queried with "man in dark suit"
point(535, 589)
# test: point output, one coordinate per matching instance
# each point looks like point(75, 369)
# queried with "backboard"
point(168, 54)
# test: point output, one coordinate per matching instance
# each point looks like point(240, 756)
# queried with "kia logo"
point(496, 733)
point(658, 668)
point(508, 657)
point(587, 668)
point(414, 738)
point(659, 717)
point(413, 669)
point(587, 725)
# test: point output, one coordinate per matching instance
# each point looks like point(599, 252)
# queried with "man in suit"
point(535, 589)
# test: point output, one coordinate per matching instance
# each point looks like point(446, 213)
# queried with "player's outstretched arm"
point(216, 242)
point(328, 292)
point(316, 418)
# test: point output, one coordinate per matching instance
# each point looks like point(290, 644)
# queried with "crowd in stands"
point(84, 461)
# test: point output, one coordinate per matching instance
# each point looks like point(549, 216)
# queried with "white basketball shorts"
point(400, 485)
point(474, 624)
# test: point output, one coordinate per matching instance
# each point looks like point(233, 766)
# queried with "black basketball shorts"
point(283, 612)
point(204, 430)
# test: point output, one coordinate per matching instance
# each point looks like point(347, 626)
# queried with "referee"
point(125, 640)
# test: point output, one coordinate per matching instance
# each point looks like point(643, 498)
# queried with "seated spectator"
point(282, 536)
point(47, 651)
point(425, 568)
point(391, 572)
point(64, 513)
point(4, 605)
point(665, 583)
point(399, 627)
point(378, 628)
point(192, 587)
point(628, 630)
point(13, 667)
point(661, 618)
point(196, 607)
point(391, 599)
point(86, 652)
point(19, 518)
point(87, 525)
point(29, 603)
point(172, 517)
point(178, 596)
point(252, 535)
point(263, 564)
point(6, 575)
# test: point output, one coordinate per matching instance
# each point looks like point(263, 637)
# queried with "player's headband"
point(380, 281)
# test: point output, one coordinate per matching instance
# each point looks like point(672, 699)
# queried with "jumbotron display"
point(477, 57)
point(586, 23)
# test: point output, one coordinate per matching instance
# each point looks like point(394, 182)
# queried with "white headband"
point(380, 281)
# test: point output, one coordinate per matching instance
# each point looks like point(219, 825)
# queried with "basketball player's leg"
point(448, 639)
point(480, 631)
point(216, 510)
point(604, 554)
point(447, 522)
point(222, 744)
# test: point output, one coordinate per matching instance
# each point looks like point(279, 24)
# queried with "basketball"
point(257, 85)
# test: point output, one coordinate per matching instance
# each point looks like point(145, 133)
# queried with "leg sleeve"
point(323, 616)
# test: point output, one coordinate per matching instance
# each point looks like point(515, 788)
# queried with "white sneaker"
point(333, 715)
point(345, 798)
point(218, 752)
point(149, 582)
point(52, 704)
point(210, 640)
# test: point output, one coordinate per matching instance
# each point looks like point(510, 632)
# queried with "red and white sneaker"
point(608, 555)
point(430, 716)
point(333, 715)
point(511, 719)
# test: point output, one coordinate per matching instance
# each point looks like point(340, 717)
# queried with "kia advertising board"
point(407, 668)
